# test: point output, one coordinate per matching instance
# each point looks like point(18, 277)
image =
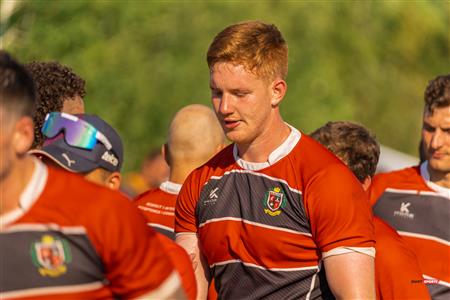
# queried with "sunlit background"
point(364, 61)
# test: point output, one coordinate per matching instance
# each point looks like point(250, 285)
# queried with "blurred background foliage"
point(366, 61)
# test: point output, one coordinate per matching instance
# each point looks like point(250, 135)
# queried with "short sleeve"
point(132, 254)
point(185, 219)
point(338, 209)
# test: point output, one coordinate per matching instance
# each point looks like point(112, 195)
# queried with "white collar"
point(29, 194)
point(284, 149)
point(170, 187)
point(443, 191)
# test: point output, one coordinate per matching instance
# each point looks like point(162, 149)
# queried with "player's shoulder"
point(314, 153)
point(398, 178)
point(79, 194)
point(390, 246)
point(316, 160)
point(156, 196)
point(217, 165)
point(148, 194)
point(404, 179)
point(384, 232)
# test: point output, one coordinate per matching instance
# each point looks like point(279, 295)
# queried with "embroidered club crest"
point(274, 201)
point(50, 255)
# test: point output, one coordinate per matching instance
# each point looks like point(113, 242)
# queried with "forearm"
point(190, 243)
point(351, 275)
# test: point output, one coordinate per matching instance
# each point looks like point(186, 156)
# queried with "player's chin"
point(440, 165)
point(234, 135)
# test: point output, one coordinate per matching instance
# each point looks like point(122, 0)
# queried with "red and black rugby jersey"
point(397, 272)
point(421, 215)
point(264, 232)
point(158, 207)
point(182, 263)
point(80, 240)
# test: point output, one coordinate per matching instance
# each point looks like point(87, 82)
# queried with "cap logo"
point(110, 158)
point(69, 161)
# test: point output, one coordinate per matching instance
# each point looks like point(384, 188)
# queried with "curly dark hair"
point(54, 83)
point(437, 93)
point(353, 144)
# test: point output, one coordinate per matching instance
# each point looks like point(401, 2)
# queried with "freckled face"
point(242, 102)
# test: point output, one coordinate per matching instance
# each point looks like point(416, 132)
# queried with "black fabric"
point(416, 212)
point(231, 201)
point(20, 271)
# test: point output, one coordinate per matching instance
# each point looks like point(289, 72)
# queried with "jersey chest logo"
point(404, 211)
point(50, 255)
point(274, 201)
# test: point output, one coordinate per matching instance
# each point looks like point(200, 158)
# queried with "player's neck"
point(14, 183)
point(260, 149)
point(179, 173)
point(439, 178)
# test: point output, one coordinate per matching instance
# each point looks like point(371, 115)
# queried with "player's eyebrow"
point(243, 91)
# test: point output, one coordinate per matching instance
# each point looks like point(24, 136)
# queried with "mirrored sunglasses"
point(77, 132)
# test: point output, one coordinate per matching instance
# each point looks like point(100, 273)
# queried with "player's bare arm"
point(351, 275)
point(189, 242)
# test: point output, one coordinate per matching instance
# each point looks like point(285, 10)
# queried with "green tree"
point(143, 60)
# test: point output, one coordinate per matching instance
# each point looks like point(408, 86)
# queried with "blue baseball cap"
point(80, 160)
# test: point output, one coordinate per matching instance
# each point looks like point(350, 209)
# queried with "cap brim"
point(66, 159)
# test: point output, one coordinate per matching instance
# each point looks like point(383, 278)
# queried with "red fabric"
point(337, 208)
point(433, 257)
point(406, 179)
point(182, 262)
point(158, 207)
point(130, 251)
point(397, 272)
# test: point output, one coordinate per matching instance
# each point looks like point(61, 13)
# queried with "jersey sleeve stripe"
point(412, 192)
point(424, 236)
point(157, 225)
point(52, 290)
point(344, 250)
point(44, 227)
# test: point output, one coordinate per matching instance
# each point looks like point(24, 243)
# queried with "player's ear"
point(165, 153)
point(366, 183)
point(113, 181)
point(279, 88)
point(23, 136)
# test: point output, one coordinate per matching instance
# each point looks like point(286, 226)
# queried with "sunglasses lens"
point(81, 135)
point(53, 125)
point(77, 133)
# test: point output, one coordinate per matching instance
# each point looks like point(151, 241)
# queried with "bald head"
point(195, 135)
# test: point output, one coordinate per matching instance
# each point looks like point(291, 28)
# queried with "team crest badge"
point(274, 201)
point(51, 255)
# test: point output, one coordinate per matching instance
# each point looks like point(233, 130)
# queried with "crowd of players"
point(276, 214)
